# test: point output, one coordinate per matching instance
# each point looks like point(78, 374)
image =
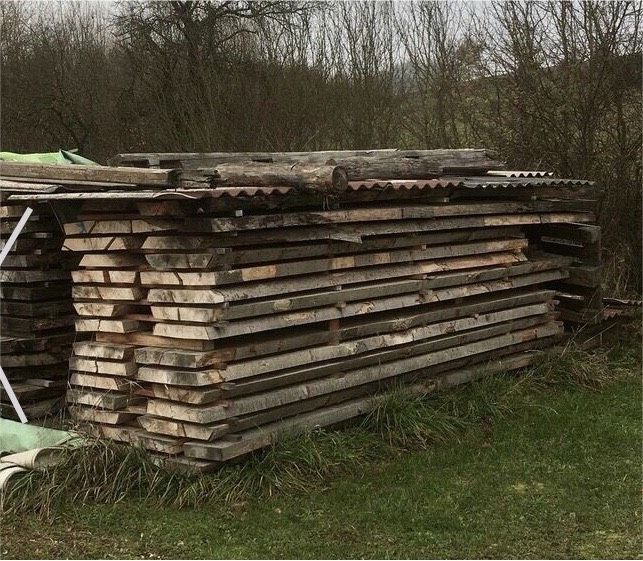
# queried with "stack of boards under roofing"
point(221, 314)
point(36, 313)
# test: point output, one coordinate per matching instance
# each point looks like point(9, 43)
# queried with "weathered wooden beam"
point(89, 174)
point(323, 178)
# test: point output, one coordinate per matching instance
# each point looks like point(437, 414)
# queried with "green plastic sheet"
point(55, 158)
point(16, 437)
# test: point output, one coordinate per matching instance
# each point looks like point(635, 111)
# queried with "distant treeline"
point(549, 84)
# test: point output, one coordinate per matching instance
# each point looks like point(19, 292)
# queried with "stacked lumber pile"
point(580, 295)
point(36, 314)
point(240, 301)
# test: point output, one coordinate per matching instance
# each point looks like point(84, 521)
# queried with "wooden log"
point(322, 178)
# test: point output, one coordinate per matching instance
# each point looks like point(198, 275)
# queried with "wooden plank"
point(99, 366)
point(90, 414)
point(351, 309)
point(351, 378)
point(108, 227)
point(103, 243)
point(89, 174)
point(179, 377)
point(257, 438)
point(284, 343)
point(107, 325)
point(103, 350)
point(367, 215)
point(144, 338)
point(191, 243)
point(103, 400)
point(105, 276)
point(132, 294)
point(165, 261)
point(34, 359)
point(105, 310)
point(217, 278)
point(87, 380)
point(338, 230)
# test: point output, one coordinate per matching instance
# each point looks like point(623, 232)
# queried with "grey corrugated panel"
point(447, 182)
point(510, 173)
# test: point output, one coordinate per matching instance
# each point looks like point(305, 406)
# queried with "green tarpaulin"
point(16, 437)
point(60, 157)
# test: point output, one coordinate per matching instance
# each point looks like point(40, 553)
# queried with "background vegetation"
point(550, 85)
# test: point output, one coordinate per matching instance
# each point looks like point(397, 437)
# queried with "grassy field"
point(554, 472)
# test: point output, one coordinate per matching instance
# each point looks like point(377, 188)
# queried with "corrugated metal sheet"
point(63, 192)
point(508, 173)
point(482, 182)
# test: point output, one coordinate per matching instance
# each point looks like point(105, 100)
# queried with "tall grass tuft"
point(106, 472)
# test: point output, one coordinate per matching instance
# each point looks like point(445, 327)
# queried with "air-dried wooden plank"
point(88, 380)
point(89, 174)
point(352, 309)
point(90, 414)
point(99, 366)
point(107, 325)
point(103, 243)
point(395, 366)
point(133, 294)
point(367, 215)
point(103, 400)
point(254, 439)
point(216, 278)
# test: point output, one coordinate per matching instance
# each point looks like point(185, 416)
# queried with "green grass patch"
point(106, 472)
point(546, 462)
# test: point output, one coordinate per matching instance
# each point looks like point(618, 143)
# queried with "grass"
point(545, 464)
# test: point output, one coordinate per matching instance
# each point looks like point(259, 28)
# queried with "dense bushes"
point(550, 85)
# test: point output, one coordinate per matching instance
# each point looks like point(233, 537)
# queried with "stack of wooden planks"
point(217, 315)
point(36, 315)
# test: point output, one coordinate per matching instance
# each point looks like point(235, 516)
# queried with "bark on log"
point(322, 178)
point(419, 164)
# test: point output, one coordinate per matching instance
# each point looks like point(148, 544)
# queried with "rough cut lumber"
point(256, 438)
point(219, 314)
point(434, 161)
point(88, 174)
